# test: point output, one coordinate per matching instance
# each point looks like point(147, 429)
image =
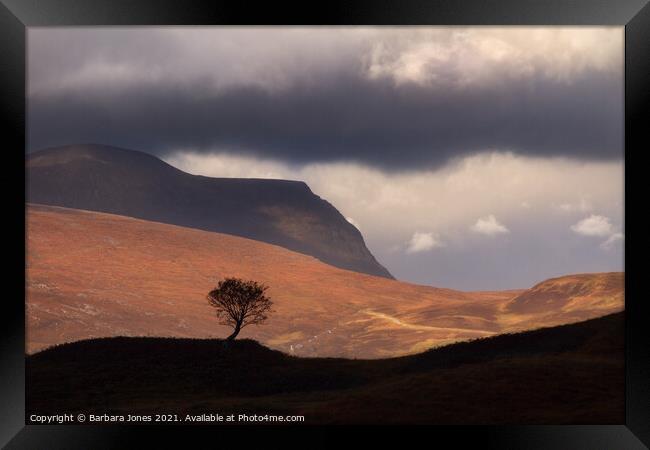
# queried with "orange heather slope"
point(566, 299)
point(97, 275)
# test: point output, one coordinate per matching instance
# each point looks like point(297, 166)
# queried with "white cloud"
point(479, 55)
point(594, 225)
point(599, 226)
point(613, 239)
point(422, 242)
point(229, 166)
point(582, 206)
point(489, 225)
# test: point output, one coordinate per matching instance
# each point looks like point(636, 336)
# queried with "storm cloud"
point(392, 98)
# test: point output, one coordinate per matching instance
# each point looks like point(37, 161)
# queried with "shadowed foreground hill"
point(136, 184)
point(567, 374)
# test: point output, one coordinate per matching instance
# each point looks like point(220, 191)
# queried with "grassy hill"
point(566, 374)
point(93, 275)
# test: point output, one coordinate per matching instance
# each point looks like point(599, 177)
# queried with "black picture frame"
point(17, 15)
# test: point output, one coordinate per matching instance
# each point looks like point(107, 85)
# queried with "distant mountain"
point(136, 184)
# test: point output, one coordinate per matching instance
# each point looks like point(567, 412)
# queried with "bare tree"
point(239, 303)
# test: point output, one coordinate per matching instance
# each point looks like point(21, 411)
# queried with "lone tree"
point(240, 303)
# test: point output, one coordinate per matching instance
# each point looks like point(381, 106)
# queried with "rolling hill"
point(571, 374)
point(568, 297)
point(95, 275)
point(136, 184)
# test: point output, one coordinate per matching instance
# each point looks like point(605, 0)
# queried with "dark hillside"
point(566, 374)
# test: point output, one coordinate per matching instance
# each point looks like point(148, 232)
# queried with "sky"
point(474, 158)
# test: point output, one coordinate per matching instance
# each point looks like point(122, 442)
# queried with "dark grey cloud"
point(339, 104)
point(346, 118)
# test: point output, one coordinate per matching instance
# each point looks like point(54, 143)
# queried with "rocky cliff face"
point(136, 184)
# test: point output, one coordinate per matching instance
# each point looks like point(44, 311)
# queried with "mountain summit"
point(131, 183)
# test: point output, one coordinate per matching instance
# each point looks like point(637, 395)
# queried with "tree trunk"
point(234, 333)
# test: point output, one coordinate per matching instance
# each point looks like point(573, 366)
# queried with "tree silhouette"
point(239, 303)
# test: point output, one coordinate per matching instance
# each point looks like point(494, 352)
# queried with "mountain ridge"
point(136, 184)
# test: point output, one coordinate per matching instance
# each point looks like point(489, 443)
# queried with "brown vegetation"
point(99, 275)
